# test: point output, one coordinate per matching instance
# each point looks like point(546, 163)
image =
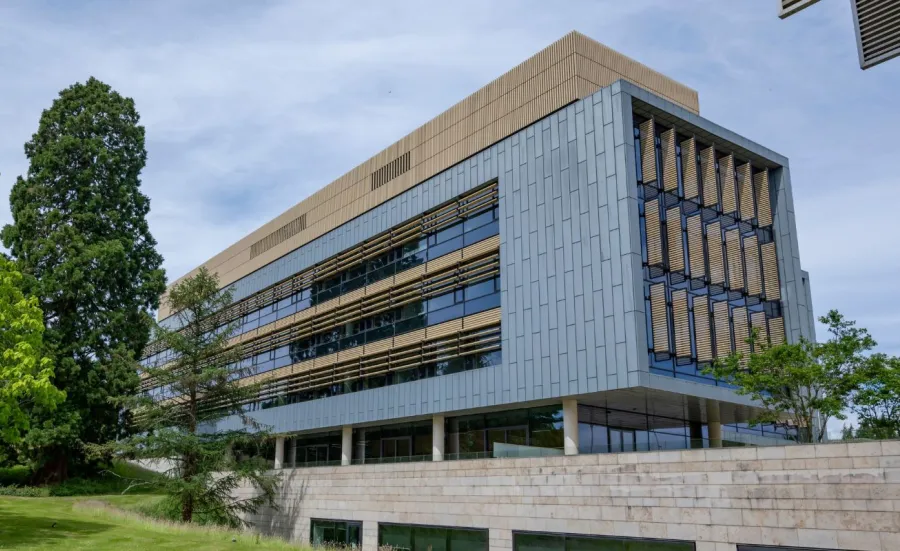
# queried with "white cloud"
point(250, 107)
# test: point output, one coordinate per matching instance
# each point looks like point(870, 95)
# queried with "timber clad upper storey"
point(571, 68)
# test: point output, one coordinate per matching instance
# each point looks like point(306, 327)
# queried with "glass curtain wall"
point(335, 533)
point(530, 541)
point(393, 443)
point(409, 537)
point(516, 433)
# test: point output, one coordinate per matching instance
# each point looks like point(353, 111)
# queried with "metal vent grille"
point(390, 171)
point(278, 236)
point(877, 25)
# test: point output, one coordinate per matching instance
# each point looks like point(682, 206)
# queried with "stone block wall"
point(828, 496)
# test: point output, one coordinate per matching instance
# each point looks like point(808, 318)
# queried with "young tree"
point(877, 402)
point(199, 387)
point(25, 371)
point(81, 238)
point(806, 381)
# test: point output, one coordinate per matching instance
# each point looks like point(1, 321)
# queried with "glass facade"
point(515, 433)
point(314, 449)
point(335, 533)
point(779, 548)
point(411, 537)
point(709, 252)
point(532, 541)
point(393, 443)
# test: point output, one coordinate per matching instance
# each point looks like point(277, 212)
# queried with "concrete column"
point(346, 445)
point(714, 423)
point(570, 426)
point(437, 438)
point(279, 452)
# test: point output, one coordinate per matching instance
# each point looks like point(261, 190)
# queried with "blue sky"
point(251, 106)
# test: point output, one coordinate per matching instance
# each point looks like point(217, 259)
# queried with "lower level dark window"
point(530, 541)
point(335, 533)
point(777, 548)
point(411, 537)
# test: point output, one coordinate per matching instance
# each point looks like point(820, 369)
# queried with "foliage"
point(25, 371)
point(807, 381)
point(17, 475)
point(877, 402)
point(81, 238)
point(101, 524)
point(202, 389)
point(15, 490)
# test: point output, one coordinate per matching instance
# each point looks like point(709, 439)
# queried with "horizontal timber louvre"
point(434, 220)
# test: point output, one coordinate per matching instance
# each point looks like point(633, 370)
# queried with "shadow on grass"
point(22, 530)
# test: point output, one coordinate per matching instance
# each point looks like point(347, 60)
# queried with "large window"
point(410, 537)
point(335, 533)
point(516, 433)
point(531, 541)
point(316, 449)
point(393, 443)
point(778, 548)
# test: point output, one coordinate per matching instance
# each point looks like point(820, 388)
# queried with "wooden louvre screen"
point(669, 160)
point(675, 239)
point(726, 176)
point(702, 329)
point(751, 261)
point(771, 285)
point(741, 331)
point(689, 177)
point(715, 254)
point(745, 192)
point(648, 151)
point(735, 262)
point(695, 246)
point(776, 330)
point(710, 181)
point(723, 329)
point(763, 198)
point(758, 323)
point(654, 233)
point(659, 317)
point(681, 323)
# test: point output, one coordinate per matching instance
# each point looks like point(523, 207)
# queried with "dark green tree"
point(80, 237)
point(195, 390)
point(877, 402)
point(807, 381)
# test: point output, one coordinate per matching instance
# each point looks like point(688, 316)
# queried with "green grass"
point(110, 523)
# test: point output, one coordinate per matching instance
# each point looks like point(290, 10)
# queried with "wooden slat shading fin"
point(710, 181)
point(654, 233)
point(648, 150)
point(681, 323)
point(723, 329)
point(659, 317)
point(751, 261)
point(771, 285)
point(741, 331)
point(696, 256)
point(726, 176)
point(763, 198)
point(689, 175)
point(735, 262)
point(758, 322)
point(675, 239)
point(745, 192)
point(715, 254)
point(669, 160)
point(776, 330)
point(702, 330)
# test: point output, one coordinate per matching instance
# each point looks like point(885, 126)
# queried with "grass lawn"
point(98, 524)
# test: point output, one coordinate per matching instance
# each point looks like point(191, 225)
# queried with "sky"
point(252, 106)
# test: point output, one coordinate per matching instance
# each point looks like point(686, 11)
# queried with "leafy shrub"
point(24, 491)
point(169, 509)
point(17, 475)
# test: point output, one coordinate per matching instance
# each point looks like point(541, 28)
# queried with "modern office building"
point(543, 269)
